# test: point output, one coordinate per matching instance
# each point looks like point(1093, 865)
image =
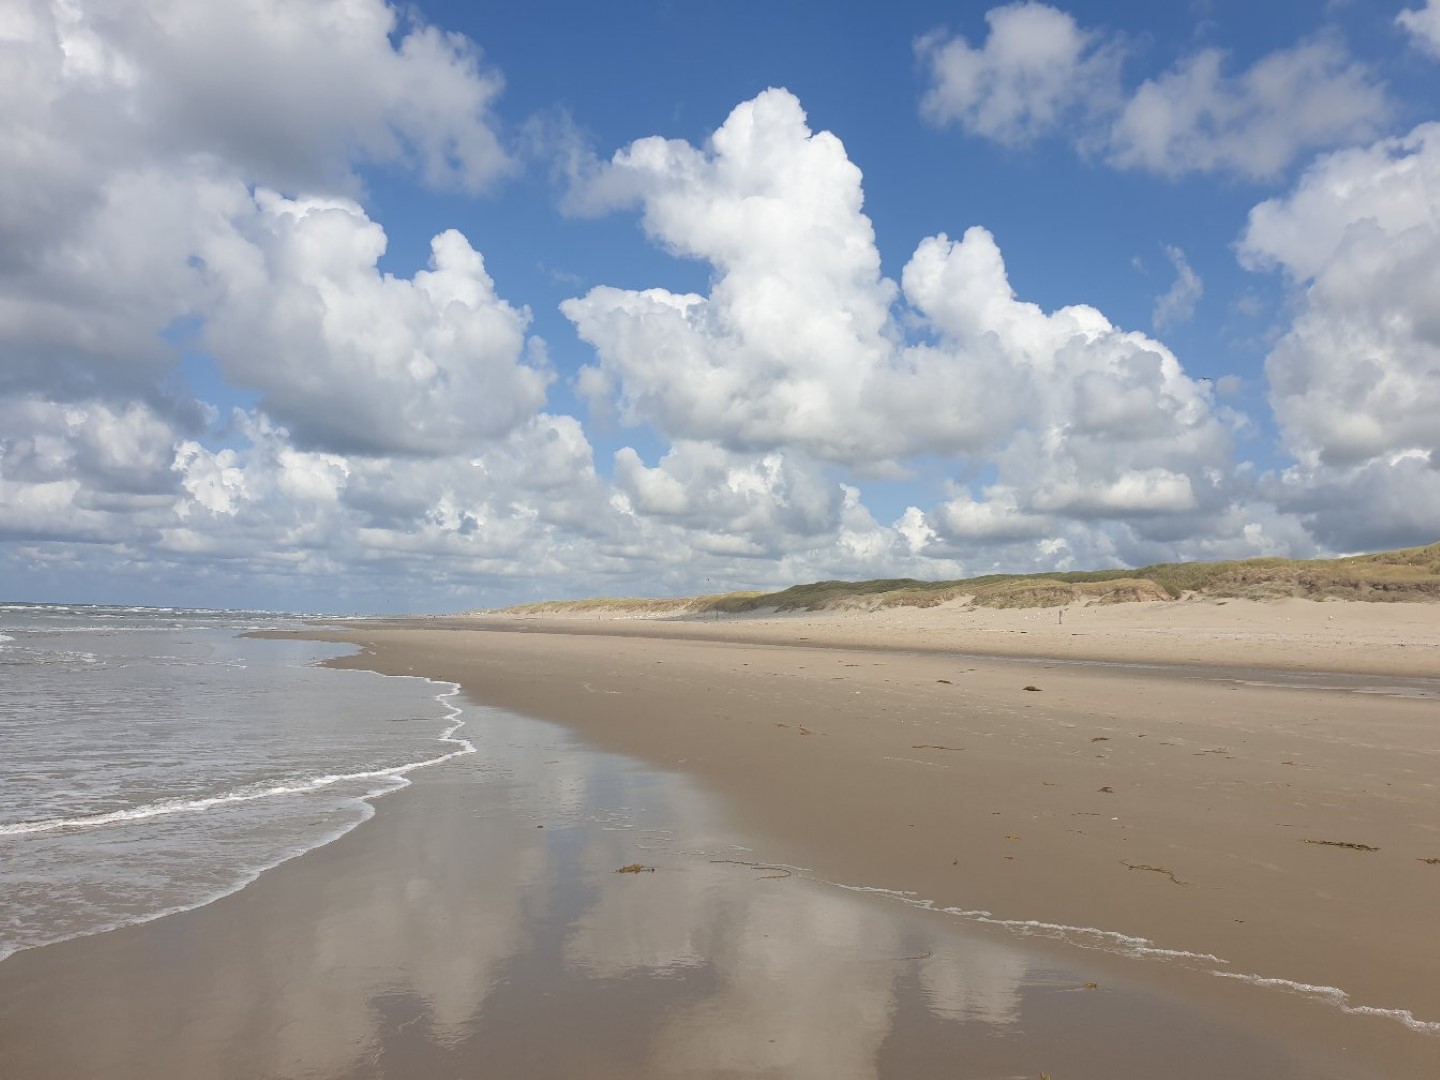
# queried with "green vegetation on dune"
point(636, 605)
point(1408, 575)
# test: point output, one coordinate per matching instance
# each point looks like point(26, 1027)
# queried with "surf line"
point(1088, 937)
point(252, 793)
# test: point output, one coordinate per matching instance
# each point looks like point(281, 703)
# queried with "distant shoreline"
point(1343, 637)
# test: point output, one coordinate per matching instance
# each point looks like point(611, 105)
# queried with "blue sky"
point(672, 332)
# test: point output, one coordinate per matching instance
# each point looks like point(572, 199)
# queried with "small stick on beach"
point(1157, 869)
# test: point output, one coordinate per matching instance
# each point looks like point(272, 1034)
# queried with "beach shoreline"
point(1212, 816)
point(476, 926)
point(892, 860)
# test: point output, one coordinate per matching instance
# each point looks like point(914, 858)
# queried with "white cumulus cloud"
point(356, 360)
point(1198, 118)
point(1035, 69)
point(1355, 381)
point(291, 91)
point(1423, 26)
point(1357, 377)
point(136, 141)
point(771, 498)
point(798, 345)
point(1039, 71)
point(117, 107)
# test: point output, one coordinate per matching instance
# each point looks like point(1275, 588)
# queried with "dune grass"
point(1410, 574)
point(637, 606)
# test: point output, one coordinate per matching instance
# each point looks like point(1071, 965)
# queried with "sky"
point(337, 305)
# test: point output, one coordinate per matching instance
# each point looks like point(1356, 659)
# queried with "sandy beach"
point(1290, 634)
point(1211, 778)
point(477, 927)
point(1190, 841)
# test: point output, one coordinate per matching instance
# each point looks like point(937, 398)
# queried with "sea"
point(153, 760)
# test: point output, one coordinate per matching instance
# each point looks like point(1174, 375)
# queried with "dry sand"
point(1301, 635)
point(1199, 803)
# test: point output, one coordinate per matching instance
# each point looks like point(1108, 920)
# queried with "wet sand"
point(477, 927)
point(1158, 831)
point(1197, 804)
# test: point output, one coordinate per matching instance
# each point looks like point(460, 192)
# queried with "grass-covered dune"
point(1411, 574)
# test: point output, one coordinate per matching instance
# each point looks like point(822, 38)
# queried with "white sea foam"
point(1333, 995)
point(247, 878)
point(1090, 937)
point(166, 807)
point(1083, 936)
point(252, 792)
point(242, 872)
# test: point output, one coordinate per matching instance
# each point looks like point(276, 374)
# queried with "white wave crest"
point(394, 776)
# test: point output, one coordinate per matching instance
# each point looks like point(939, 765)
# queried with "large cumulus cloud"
point(1355, 380)
point(793, 338)
point(180, 179)
point(804, 345)
point(1358, 374)
point(138, 140)
point(352, 359)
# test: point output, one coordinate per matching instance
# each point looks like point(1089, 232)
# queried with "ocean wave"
point(247, 876)
point(298, 795)
point(254, 792)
